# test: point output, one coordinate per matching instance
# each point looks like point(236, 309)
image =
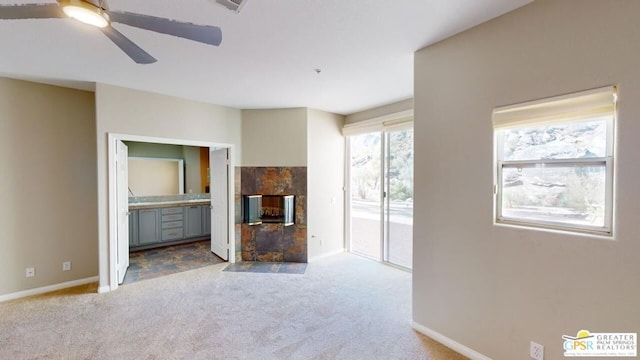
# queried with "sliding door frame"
point(384, 131)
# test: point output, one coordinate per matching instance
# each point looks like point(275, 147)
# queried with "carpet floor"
point(342, 307)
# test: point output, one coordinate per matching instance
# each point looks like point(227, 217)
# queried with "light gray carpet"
point(343, 307)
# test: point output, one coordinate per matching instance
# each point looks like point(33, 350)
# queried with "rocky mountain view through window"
point(570, 192)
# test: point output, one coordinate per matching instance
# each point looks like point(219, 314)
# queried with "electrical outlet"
point(66, 266)
point(536, 351)
point(30, 272)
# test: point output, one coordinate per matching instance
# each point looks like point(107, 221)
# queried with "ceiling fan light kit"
point(85, 12)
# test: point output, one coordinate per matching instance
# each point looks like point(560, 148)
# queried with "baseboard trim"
point(448, 342)
point(332, 253)
point(46, 289)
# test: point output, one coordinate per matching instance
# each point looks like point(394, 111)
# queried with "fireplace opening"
point(258, 209)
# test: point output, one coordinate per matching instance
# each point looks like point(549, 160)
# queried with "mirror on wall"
point(165, 169)
point(151, 176)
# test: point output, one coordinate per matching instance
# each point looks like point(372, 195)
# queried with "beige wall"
point(494, 288)
point(126, 111)
point(47, 186)
point(325, 181)
point(274, 137)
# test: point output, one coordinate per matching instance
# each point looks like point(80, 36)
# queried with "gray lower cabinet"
point(133, 228)
point(206, 219)
point(148, 226)
point(153, 227)
point(193, 225)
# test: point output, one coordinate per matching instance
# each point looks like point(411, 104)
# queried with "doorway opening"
point(381, 196)
point(165, 178)
point(170, 219)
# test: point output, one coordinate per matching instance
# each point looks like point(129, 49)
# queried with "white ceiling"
point(268, 54)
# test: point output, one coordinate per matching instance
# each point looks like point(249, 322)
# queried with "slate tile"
point(269, 256)
point(248, 255)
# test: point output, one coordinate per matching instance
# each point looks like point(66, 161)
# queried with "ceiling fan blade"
point(134, 51)
point(31, 11)
point(206, 34)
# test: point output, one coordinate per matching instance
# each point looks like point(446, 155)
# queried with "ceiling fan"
point(97, 13)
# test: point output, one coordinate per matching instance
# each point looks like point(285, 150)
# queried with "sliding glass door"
point(399, 202)
point(366, 191)
point(381, 188)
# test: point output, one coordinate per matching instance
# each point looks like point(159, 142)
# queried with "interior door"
point(219, 187)
point(122, 194)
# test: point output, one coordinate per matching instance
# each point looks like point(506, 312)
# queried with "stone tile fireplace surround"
point(272, 242)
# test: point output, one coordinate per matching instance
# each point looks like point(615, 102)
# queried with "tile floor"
point(267, 267)
point(152, 263)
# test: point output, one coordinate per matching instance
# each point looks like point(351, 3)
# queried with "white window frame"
point(566, 109)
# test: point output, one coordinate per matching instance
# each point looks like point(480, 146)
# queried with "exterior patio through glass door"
point(381, 203)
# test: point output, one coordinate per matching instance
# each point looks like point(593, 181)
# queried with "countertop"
point(165, 204)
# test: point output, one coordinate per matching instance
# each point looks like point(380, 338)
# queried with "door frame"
point(122, 196)
point(112, 255)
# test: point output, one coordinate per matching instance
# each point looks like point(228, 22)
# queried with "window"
point(555, 162)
